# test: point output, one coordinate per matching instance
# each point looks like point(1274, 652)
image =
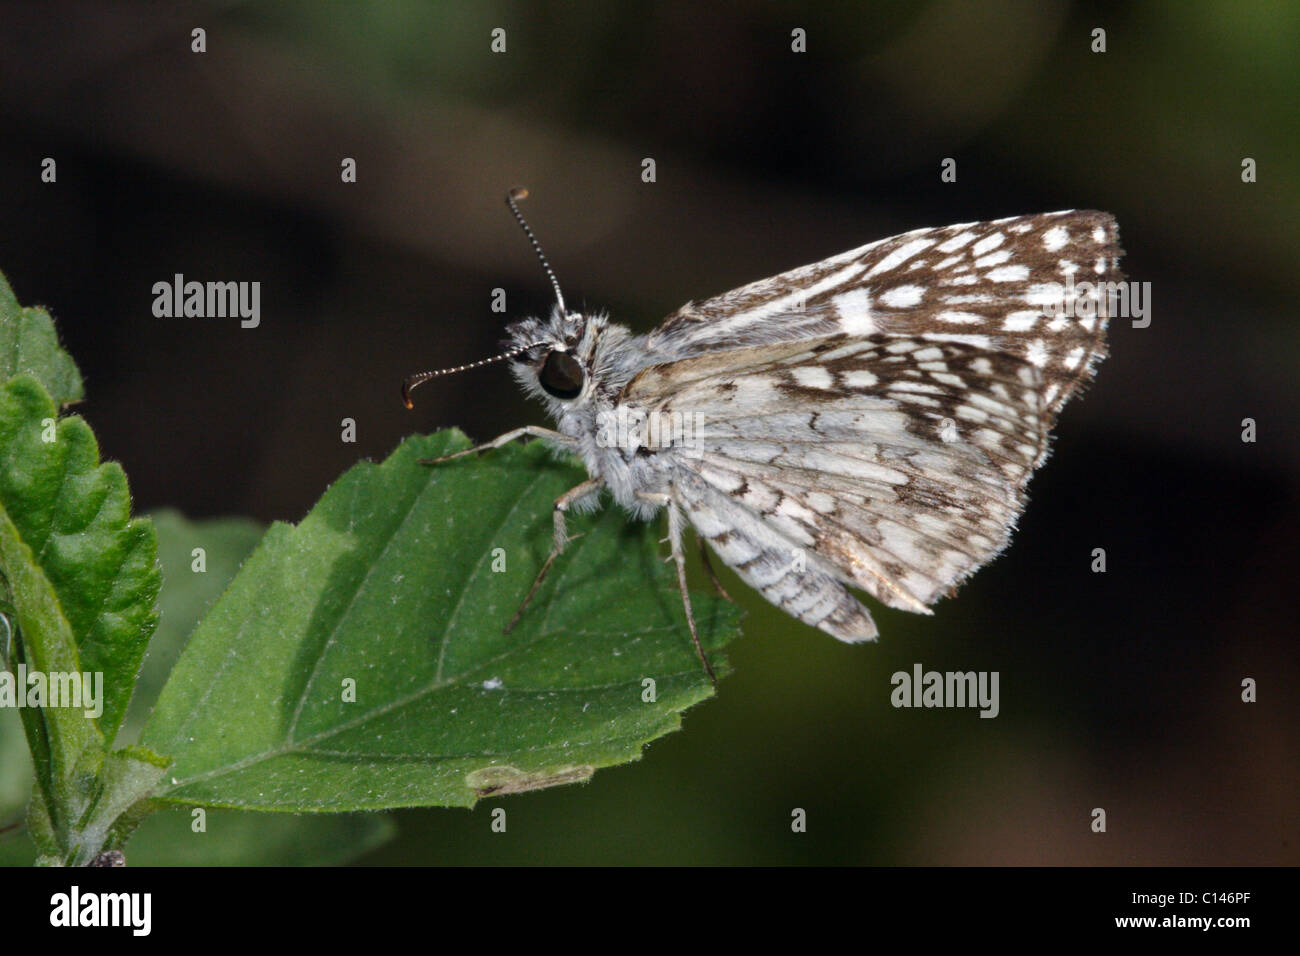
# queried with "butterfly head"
point(552, 358)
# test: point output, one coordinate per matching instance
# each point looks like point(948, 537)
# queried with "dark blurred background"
point(1119, 690)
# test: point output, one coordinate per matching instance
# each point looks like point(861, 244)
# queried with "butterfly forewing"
point(873, 419)
point(1005, 285)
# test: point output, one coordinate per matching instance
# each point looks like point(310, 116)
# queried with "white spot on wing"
point(923, 387)
point(790, 508)
point(811, 376)
point(1055, 238)
point(787, 303)
point(993, 258)
point(853, 348)
point(859, 378)
point(1016, 273)
point(1021, 321)
point(900, 255)
point(956, 242)
point(854, 308)
point(903, 296)
point(821, 502)
point(1037, 354)
point(1045, 293)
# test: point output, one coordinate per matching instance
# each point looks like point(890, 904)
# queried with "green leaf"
point(119, 803)
point(186, 593)
point(229, 838)
point(15, 763)
point(29, 344)
point(389, 582)
point(73, 516)
point(67, 747)
point(80, 583)
point(83, 792)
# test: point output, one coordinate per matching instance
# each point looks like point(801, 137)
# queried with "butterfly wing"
point(893, 464)
point(1032, 286)
point(888, 452)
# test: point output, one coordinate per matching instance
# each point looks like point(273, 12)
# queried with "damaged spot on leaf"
point(495, 781)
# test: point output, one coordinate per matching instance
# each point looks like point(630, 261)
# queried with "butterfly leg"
point(528, 431)
point(675, 528)
point(708, 566)
point(562, 505)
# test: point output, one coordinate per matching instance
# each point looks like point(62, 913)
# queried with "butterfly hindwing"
point(898, 464)
point(770, 563)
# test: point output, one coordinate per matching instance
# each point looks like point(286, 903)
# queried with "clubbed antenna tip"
point(414, 381)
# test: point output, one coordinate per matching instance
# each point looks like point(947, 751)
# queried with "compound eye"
point(561, 375)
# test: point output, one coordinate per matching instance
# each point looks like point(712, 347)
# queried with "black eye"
point(561, 375)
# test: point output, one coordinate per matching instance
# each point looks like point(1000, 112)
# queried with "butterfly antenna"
point(419, 379)
point(517, 194)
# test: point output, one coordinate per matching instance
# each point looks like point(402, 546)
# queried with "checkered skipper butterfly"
point(867, 421)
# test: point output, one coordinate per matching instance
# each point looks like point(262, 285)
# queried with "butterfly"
point(868, 421)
